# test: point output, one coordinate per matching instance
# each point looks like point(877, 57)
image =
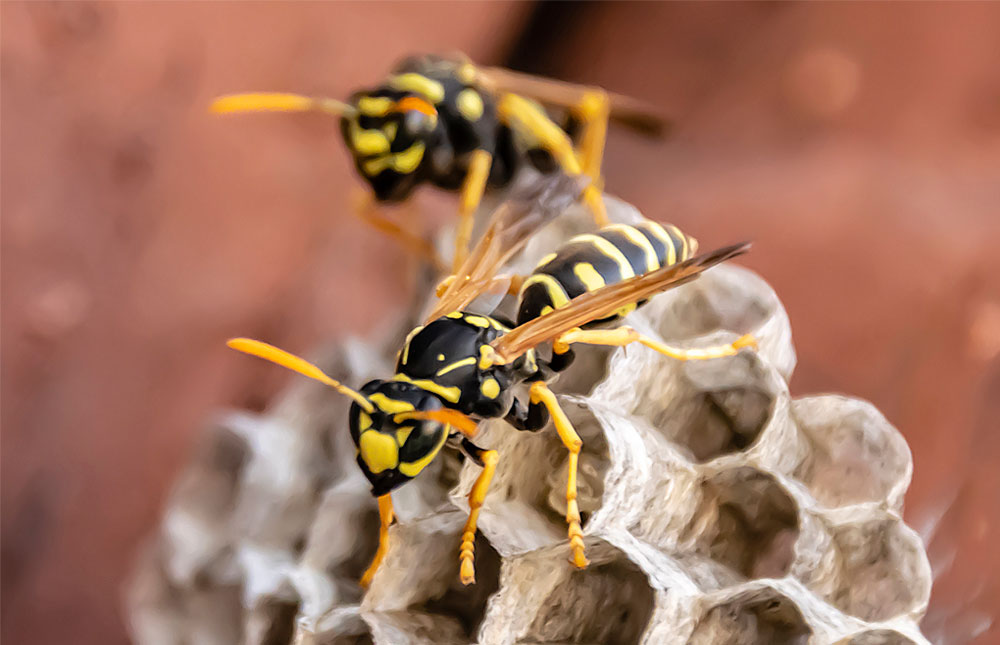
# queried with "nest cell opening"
point(753, 525)
point(884, 572)
point(857, 456)
point(609, 602)
point(762, 617)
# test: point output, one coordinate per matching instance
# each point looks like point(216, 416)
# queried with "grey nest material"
point(717, 508)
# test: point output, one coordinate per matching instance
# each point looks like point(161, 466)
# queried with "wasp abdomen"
point(593, 260)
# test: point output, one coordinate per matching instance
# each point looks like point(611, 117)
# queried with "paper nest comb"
point(717, 509)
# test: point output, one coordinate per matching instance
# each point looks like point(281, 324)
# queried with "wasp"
point(463, 128)
point(461, 367)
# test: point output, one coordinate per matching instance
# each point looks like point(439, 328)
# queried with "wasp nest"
point(717, 509)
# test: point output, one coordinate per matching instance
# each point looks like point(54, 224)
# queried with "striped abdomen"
point(590, 261)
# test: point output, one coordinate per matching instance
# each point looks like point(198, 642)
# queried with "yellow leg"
point(472, 194)
point(540, 392)
point(385, 519)
point(532, 123)
point(366, 208)
point(593, 111)
point(466, 552)
point(626, 335)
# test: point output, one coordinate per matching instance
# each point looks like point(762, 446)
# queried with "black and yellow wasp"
point(463, 127)
point(460, 367)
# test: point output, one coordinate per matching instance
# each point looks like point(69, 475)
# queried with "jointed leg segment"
point(366, 208)
point(466, 552)
point(472, 194)
point(540, 393)
point(626, 335)
point(385, 519)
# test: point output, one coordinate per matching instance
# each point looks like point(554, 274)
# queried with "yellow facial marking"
point(378, 451)
point(470, 104)
point(374, 105)
point(457, 364)
point(608, 249)
point(557, 295)
point(389, 129)
point(402, 434)
point(389, 406)
point(490, 388)
point(418, 84)
point(412, 468)
point(636, 237)
point(588, 275)
point(368, 142)
point(450, 394)
point(407, 161)
point(364, 421)
point(478, 321)
point(372, 167)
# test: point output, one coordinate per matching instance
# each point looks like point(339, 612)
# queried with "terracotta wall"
point(858, 145)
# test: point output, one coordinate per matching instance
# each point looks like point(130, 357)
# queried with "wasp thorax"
point(392, 449)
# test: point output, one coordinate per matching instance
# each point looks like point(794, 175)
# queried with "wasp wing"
point(509, 228)
point(634, 113)
point(603, 302)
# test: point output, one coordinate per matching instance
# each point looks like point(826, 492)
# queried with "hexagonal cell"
point(748, 522)
point(884, 572)
point(857, 457)
point(757, 617)
point(609, 602)
point(526, 503)
point(879, 637)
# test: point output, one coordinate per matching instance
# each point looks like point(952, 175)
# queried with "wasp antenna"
point(278, 102)
point(462, 422)
point(296, 364)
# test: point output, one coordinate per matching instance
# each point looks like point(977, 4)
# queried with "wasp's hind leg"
point(385, 519)
point(473, 187)
point(622, 336)
point(541, 394)
point(531, 122)
point(466, 552)
point(367, 209)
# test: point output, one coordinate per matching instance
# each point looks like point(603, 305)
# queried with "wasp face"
point(391, 453)
point(390, 136)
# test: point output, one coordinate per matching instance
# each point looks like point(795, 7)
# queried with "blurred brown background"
point(857, 144)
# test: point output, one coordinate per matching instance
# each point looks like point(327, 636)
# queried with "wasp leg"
point(593, 111)
point(466, 552)
point(626, 335)
point(385, 519)
point(473, 188)
point(367, 209)
point(531, 121)
point(540, 393)
point(530, 418)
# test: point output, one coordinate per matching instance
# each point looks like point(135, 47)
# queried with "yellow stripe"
point(557, 295)
point(412, 468)
point(418, 84)
point(406, 343)
point(408, 160)
point(379, 451)
point(374, 166)
point(451, 394)
point(364, 421)
point(545, 260)
point(456, 315)
point(374, 105)
point(608, 249)
point(402, 434)
point(636, 237)
point(588, 275)
point(457, 364)
point(664, 237)
point(389, 406)
point(685, 251)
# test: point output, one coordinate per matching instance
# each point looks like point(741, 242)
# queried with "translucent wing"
point(603, 302)
point(628, 111)
point(509, 228)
